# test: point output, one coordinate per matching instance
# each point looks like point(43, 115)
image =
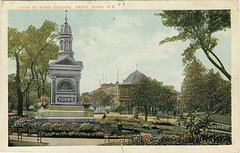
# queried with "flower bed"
point(73, 134)
point(160, 122)
point(119, 137)
point(73, 130)
point(23, 122)
point(70, 127)
point(204, 138)
point(84, 130)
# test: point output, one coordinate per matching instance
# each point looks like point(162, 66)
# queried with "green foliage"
point(147, 94)
point(205, 90)
point(12, 93)
point(193, 86)
point(32, 49)
point(198, 26)
point(223, 119)
point(101, 98)
point(84, 94)
point(204, 138)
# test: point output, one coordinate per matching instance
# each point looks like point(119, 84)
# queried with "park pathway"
point(63, 141)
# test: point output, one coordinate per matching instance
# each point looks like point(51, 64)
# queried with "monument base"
point(61, 113)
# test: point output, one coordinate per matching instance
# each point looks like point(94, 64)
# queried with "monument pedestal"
point(65, 73)
point(61, 113)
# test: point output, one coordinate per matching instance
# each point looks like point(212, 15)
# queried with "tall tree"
point(101, 98)
point(193, 86)
point(192, 90)
point(42, 66)
point(211, 82)
point(26, 48)
point(168, 99)
point(12, 93)
point(217, 94)
point(142, 96)
point(223, 98)
point(198, 26)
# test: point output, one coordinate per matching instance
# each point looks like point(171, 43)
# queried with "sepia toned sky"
point(107, 40)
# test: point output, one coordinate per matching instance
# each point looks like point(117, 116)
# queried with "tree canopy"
point(101, 98)
point(205, 90)
point(151, 94)
point(31, 50)
point(198, 26)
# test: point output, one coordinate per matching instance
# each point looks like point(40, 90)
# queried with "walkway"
point(63, 141)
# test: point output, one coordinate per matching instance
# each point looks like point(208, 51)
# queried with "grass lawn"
point(162, 128)
point(224, 119)
point(26, 143)
point(150, 118)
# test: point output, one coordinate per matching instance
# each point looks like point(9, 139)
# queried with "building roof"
point(134, 77)
point(66, 29)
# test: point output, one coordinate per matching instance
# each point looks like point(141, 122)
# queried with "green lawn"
point(224, 119)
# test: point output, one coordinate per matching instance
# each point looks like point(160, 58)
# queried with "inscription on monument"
point(65, 99)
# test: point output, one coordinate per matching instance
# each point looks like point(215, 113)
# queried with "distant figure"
point(179, 124)
point(136, 116)
point(119, 127)
point(174, 114)
point(104, 116)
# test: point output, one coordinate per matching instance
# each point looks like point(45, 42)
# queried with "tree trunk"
point(168, 116)
point(120, 108)
point(191, 127)
point(38, 91)
point(146, 112)
point(43, 91)
point(27, 99)
point(18, 86)
point(43, 84)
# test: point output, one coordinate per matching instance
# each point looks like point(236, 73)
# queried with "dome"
point(66, 29)
point(135, 77)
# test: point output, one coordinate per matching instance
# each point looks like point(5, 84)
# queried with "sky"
point(107, 40)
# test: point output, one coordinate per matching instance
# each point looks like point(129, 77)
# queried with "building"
point(125, 87)
point(121, 91)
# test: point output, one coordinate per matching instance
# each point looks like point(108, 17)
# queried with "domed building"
point(125, 87)
point(134, 77)
point(120, 91)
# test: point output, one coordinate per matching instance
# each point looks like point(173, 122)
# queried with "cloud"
point(97, 43)
point(106, 50)
point(127, 21)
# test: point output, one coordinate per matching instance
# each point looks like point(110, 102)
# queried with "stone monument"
point(65, 73)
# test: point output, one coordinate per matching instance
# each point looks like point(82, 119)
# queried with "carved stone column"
point(53, 89)
point(77, 89)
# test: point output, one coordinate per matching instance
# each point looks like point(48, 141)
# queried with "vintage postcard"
point(120, 76)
